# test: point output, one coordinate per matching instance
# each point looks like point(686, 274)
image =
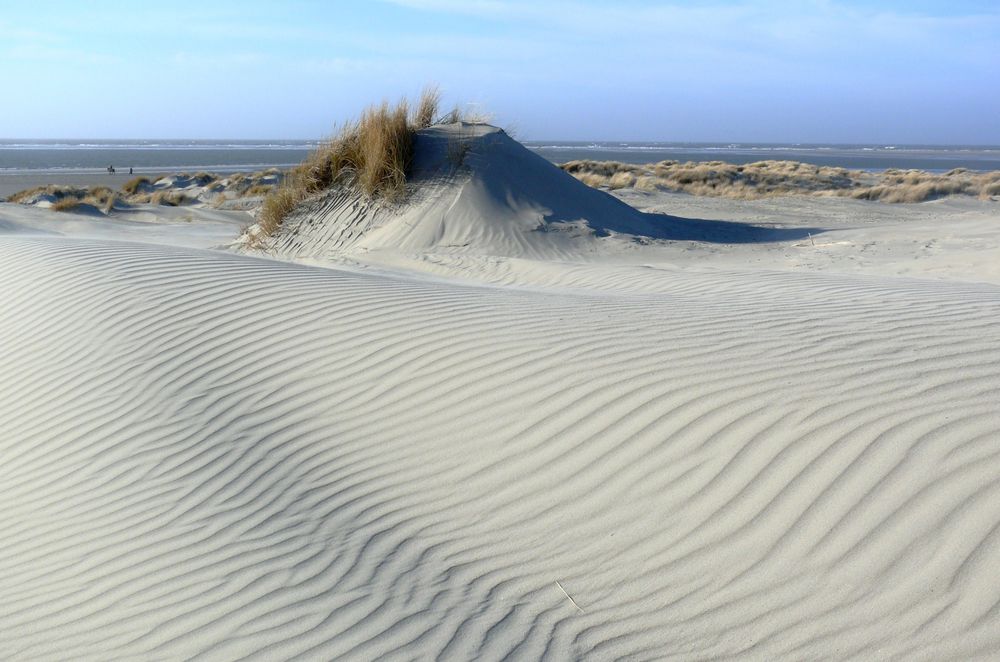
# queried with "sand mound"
point(210, 455)
point(474, 190)
point(241, 191)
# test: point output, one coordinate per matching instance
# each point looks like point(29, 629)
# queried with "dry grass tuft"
point(101, 197)
point(454, 116)
point(258, 190)
point(427, 108)
point(384, 150)
point(277, 206)
point(68, 203)
point(136, 185)
point(372, 154)
point(168, 198)
point(27, 194)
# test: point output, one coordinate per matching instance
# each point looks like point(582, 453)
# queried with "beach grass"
point(371, 154)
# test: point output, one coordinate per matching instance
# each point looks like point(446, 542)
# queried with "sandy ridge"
point(209, 454)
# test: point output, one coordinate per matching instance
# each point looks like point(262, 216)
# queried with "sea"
point(932, 158)
point(79, 157)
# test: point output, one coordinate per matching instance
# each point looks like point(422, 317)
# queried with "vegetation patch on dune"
point(68, 198)
point(242, 189)
point(769, 178)
point(371, 154)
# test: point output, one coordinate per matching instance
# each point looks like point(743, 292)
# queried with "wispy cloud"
point(651, 65)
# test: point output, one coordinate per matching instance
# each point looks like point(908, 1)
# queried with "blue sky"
point(811, 71)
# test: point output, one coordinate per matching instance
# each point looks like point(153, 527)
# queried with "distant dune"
point(770, 178)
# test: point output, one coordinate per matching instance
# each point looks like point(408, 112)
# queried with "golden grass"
point(68, 198)
point(371, 154)
point(65, 204)
point(771, 178)
point(168, 198)
point(27, 194)
point(258, 190)
point(277, 206)
point(384, 150)
point(133, 186)
point(453, 117)
point(427, 107)
point(141, 190)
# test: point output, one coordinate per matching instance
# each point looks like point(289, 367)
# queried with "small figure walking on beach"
point(130, 171)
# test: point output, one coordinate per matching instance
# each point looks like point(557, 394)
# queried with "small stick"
point(568, 597)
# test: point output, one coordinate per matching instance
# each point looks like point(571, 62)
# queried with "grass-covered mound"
point(770, 178)
point(371, 154)
point(68, 198)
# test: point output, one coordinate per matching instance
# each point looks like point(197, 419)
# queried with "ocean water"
point(933, 158)
point(148, 156)
point(54, 157)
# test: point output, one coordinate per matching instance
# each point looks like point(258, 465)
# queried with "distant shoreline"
point(59, 159)
point(11, 183)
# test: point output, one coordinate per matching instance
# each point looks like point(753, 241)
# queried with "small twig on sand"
point(568, 597)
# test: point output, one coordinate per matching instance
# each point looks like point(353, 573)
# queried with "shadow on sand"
point(676, 228)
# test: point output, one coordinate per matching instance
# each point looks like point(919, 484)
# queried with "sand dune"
point(495, 198)
point(781, 178)
point(210, 455)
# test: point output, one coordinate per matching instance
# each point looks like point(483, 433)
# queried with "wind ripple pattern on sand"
point(211, 456)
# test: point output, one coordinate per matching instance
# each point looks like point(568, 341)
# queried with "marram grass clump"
point(372, 154)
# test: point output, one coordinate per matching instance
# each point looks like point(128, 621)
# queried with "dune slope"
point(476, 191)
point(212, 456)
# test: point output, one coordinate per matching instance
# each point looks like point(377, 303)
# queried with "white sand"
point(472, 439)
